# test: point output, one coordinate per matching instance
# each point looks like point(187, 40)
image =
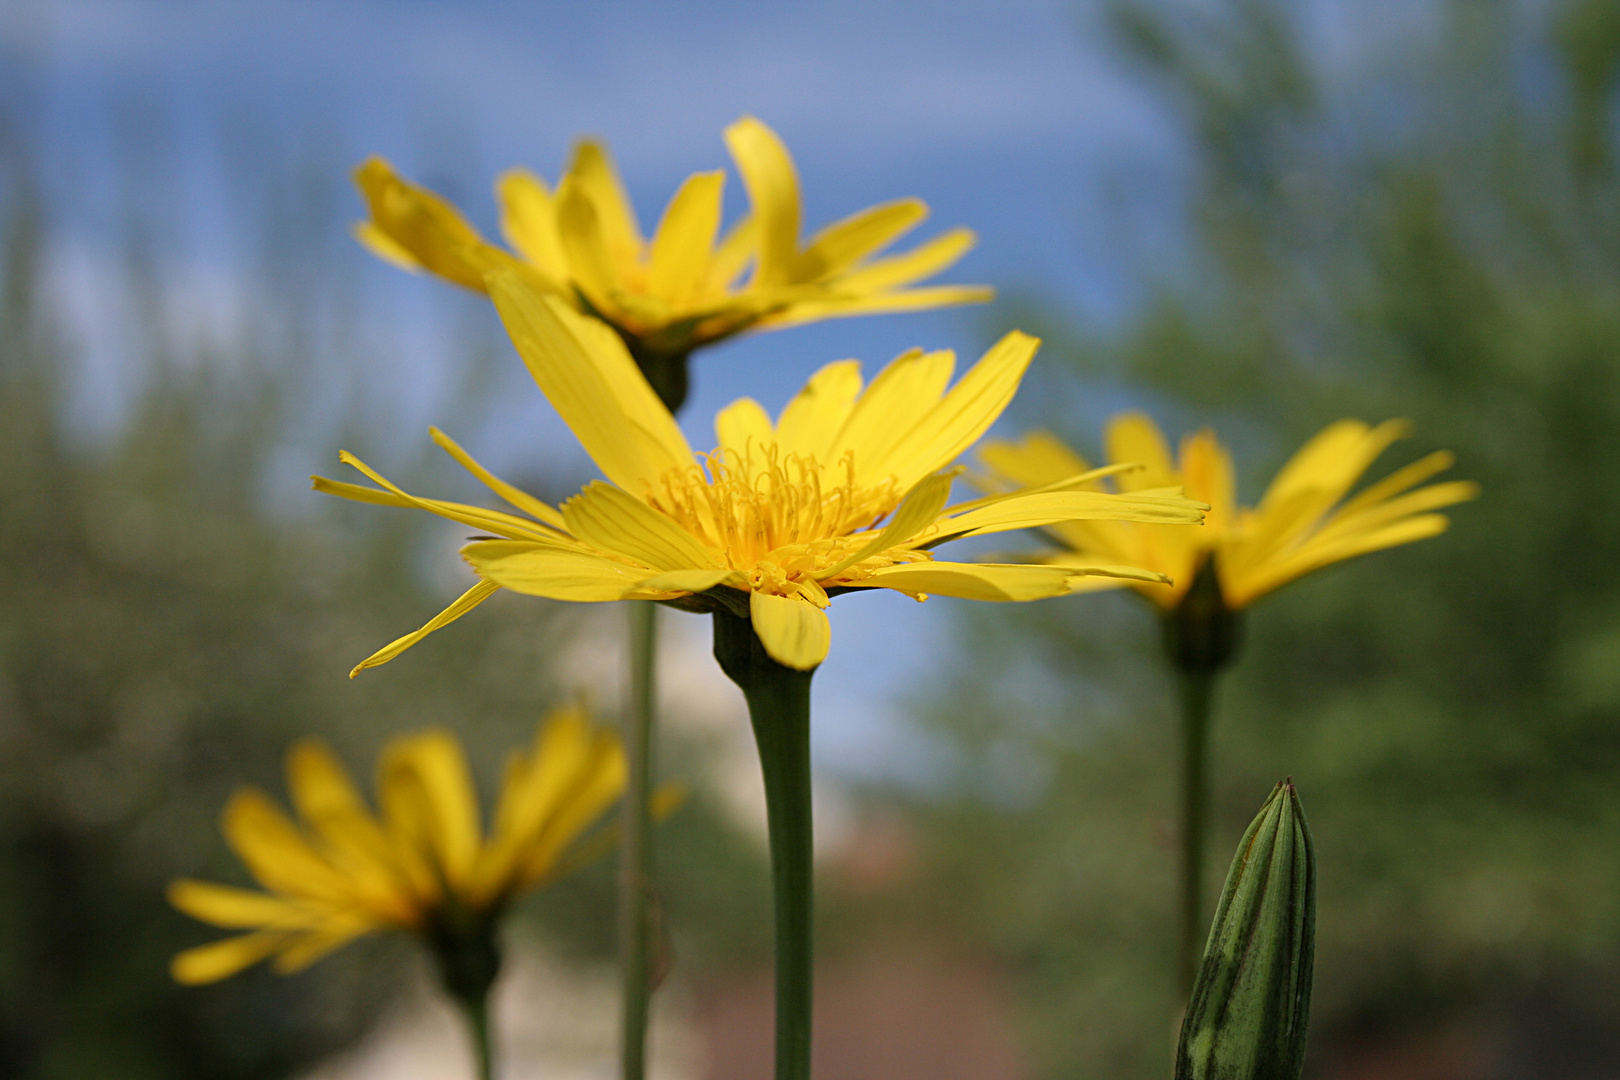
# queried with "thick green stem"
point(779, 707)
point(635, 855)
point(1197, 689)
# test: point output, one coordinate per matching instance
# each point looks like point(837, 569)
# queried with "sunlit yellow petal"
point(973, 581)
point(516, 496)
point(331, 807)
point(596, 272)
point(924, 260)
point(916, 512)
point(464, 603)
point(691, 581)
point(893, 405)
point(744, 424)
point(1039, 458)
point(590, 379)
point(773, 194)
point(593, 171)
point(814, 417)
point(615, 522)
point(685, 238)
point(275, 851)
point(795, 632)
point(1020, 511)
point(553, 572)
point(840, 245)
point(424, 226)
point(845, 305)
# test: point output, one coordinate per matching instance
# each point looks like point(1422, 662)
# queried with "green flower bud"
point(1252, 1001)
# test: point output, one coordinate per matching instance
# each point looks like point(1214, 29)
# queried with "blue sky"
point(1013, 118)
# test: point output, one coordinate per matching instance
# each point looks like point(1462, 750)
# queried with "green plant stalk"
point(476, 1013)
point(1196, 686)
point(635, 853)
point(779, 708)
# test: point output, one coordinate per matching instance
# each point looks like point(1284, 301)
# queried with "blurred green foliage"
point(1432, 234)
point(176, 607)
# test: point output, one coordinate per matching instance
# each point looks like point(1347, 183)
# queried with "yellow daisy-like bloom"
point(423, 866)
point(1303, 523)
point(847, 489)
point(687, 285)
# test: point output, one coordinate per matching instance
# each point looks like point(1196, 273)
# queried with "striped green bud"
point(1252, 1001)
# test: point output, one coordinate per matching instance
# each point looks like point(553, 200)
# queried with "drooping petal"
point(552, 572)
point(462, 604)
point(795, 632)
point(424, 226)
point(585, 372)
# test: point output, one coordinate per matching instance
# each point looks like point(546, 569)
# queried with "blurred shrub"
point(1435, 236)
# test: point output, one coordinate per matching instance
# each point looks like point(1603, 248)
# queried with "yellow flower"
point(686, 286)
point(1302, 524)
point(424, 865)
point(780, 516)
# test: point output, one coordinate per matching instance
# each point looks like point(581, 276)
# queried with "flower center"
point(778, 517)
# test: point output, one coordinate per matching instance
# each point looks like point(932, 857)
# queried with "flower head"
point(423, 866)
point(1303, 523)
point(848, 488)
point(687, 285)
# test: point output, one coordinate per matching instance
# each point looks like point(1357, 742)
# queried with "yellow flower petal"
point(326, 799)
point(1039, 459)
point(553, 572)
point(513, 495)
point(464, 603)
point(681, 247)
point(428, 803)
point(1133, 437)
point(590, 379)
point(742, 425)
point(916, 512)
point(529, 222)
point(596, 272)
point(841, 244)
point(617, 523)
point(893, 405)
point(813, 418)
point(966, 412)
point(924, 260)
point(237, 909)
point(773, 194)
point(972, 581)
point(593, 172)
point(424, 226)
point(809, 310)
point(691, 581)
point(222, 959)
point(299, 954)
point(1019, 511)
point(276, 852)
point(795, 632)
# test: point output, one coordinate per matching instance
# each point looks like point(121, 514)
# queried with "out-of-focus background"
point(1256, 214)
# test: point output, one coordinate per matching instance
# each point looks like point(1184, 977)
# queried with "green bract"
point(1251, 1004)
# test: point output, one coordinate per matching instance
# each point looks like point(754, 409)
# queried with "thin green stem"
point(1196, 687)
point(476, 1013)
point(779, 707)
point(635, 857)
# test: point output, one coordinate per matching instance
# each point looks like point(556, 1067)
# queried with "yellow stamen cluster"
point(781, 518)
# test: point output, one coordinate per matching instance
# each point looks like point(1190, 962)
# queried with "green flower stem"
point(476, 1013)
point(635, 854)
point(779, 707)
point(1197, 687)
